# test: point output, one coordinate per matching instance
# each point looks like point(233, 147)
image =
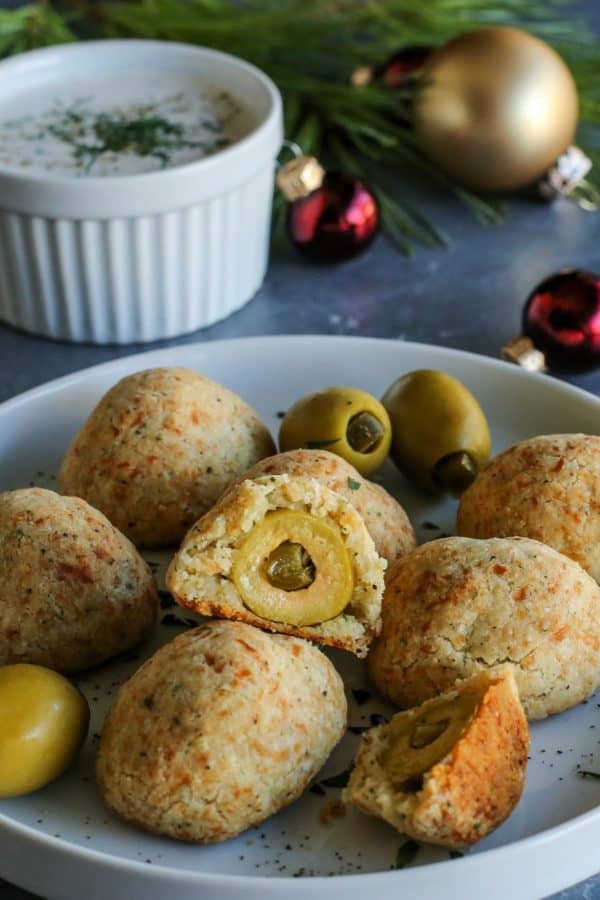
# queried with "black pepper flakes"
point(361, 696)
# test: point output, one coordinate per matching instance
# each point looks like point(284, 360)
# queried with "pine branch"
point(30, 27)
point(310, 48)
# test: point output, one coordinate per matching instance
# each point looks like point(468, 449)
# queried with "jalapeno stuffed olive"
point(440, 436)
point(344, 420)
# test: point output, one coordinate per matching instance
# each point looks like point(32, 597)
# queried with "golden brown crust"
point(74, 590)
point(546, 488)
point(472, 790)
point(386, 520)
point(199, 576)
point(220, 729)
point(310, 633)
point(456, 606)
point(159, 449)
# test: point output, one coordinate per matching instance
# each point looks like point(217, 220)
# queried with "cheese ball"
point(159, 449)
point(546, 488)
point(74, 590)
point(285, 554)
point(386, 520)
point(450, 771)
point(456, 606)
point(219, 730)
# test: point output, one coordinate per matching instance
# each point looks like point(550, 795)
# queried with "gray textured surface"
point(469, 296)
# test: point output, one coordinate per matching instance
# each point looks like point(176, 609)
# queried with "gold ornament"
point(496, 110)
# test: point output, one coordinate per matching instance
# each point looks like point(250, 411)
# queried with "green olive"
point(44, 720)
point(440, 436)
point(421, 737)
point(293, 567)
point(344, 420)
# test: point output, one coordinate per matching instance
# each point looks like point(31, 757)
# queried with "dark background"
point(469, 296)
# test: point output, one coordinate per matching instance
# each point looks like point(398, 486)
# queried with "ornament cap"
point(523, 352)
point(300, 177)
point(568, 171)
point(362, 76)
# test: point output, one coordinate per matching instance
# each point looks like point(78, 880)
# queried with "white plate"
point(62, 843)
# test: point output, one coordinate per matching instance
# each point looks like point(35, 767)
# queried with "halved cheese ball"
point(450, 771)
point(457, 606)
point(73, 590)
point(285, 554)
point(159, 449)
point(546, 488)
point(220, 729)
point(386, 520)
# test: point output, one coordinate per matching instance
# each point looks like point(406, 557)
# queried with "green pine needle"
point(310, 48)
point(30, 27)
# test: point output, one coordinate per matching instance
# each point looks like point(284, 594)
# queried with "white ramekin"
point(123, 259)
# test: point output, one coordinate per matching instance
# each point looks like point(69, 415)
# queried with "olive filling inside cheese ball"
point(159, 449)
point(220, 729)
point(74, 590)
point(546, 488)
point(451, 770)
point(457, 606)
point(286, 554)
point(386, 520)
point(422, 737)
point(307, 576)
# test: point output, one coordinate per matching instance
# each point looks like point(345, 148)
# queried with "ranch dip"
point(116, 125)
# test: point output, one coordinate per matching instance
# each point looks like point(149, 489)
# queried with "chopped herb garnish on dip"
point(121, 127)
point(141, 133)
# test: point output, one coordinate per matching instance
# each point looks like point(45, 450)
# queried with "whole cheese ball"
point(73, 590)
point(386, 520)
point(546, 488)
point(220, 729)
point(456, 606)
point(159, 449)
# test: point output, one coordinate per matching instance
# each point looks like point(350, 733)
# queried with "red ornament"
point(336, 221)
point(406, 64)
point(562, 318)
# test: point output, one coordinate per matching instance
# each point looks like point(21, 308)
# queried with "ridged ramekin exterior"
point(142, 278)
point(139, 258)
